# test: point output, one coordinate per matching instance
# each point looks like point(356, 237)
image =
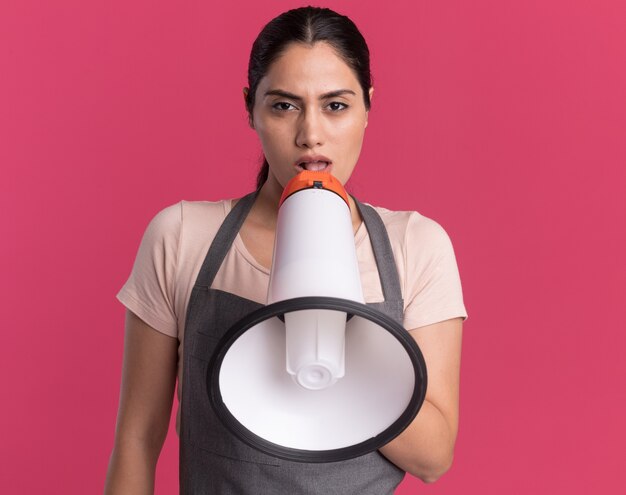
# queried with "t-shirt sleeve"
point(150, 290)
point(433, 287)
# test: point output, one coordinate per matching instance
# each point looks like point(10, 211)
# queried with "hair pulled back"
point(307, 25)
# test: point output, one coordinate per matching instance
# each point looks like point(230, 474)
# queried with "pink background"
point(504, 121)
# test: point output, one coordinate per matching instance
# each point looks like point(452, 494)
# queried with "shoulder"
point(182, 224)
point(188, 215)
point(189, 211)
point(413, 228)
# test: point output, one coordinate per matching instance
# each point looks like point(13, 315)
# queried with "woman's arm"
point(148, 381)
point(426, 448)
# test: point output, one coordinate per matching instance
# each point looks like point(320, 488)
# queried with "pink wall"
point(504, 121)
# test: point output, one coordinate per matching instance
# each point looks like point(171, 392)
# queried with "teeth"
point(315, 166)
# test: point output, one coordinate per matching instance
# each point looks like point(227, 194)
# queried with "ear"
point(245, 99)
point(371, 92)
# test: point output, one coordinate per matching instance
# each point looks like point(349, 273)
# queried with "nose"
point(310, 130)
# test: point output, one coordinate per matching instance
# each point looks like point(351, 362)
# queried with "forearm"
point(425, 449)
point(131, 470)
point(148, 381)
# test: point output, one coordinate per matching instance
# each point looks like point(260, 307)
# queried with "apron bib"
point(213, 460)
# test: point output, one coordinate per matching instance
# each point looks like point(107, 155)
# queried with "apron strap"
point(223, 240)
point(383, 254)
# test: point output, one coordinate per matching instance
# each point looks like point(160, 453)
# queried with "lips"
point(316, 163)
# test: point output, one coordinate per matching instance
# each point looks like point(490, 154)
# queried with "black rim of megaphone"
point(298, 304)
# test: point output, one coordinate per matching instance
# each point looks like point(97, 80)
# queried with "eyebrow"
point(291, 96)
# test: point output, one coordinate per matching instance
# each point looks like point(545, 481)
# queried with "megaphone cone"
point(316, 375)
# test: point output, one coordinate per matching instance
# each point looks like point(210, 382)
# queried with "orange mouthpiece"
point(309, 179)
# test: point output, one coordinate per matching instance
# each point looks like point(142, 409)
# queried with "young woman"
point(308, 96)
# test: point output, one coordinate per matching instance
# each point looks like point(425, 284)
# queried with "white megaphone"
point(316, 375)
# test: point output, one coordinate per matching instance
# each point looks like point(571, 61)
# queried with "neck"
point(354, 213)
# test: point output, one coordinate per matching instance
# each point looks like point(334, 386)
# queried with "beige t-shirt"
point(177, 240)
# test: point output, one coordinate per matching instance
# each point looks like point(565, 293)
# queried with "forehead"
point(310, 69)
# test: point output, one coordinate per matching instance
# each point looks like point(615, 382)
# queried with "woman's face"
point(309, 114)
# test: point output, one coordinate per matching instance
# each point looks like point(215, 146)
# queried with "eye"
point(336, 106)
point(283, 106)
